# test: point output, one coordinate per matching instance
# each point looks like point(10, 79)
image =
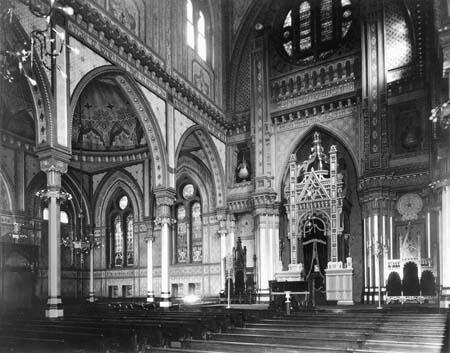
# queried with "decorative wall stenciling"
point(104, 119)
point(158, 106)
point(201, 79)
point(126, 12)
point(82, 63)
point(398, 36)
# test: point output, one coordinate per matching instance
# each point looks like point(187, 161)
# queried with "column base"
point(54, 308)
point(165, 303)
point(263, 295)
point(150, 297)
point(91, 297)
point(345, 302)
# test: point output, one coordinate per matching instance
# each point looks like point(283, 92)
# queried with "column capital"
point(164, 196)
point(264, 203)
point(54, 193)
point(379, 201)
point(54, 160)
point(160, 221)
point(149, 238)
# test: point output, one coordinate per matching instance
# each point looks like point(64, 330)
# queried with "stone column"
point(150, 293)
point(164, 200)
point(444, 242)
point(266, 251)
point(223, 253)
point(378, 209)
point(54, 168)
point(91, 269)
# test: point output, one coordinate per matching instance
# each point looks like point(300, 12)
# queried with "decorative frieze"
point(315, 95)
point(320, 114)
point(110, 157)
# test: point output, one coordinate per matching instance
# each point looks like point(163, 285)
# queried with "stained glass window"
point(326, 20)
point(305, 25)
point(130, 240)
point(182, 233)
point(118, 241)
point(121, 234)
point(189, 235)
point(331, 19)
point(123, 202)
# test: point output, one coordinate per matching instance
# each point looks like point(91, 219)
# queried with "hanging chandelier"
point(46, 42)
point(441, 114)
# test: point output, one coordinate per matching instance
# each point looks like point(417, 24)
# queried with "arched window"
point(310, 30)
point(196, 29)
point(190, 32)
point(121, 236)
point(188, 240)
point(64, 217)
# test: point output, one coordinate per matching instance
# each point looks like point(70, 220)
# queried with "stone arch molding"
point(7, 202)
point(110, 184)
point(213, 160)
point(144, 113)
point(43, 102)
point(301, 136)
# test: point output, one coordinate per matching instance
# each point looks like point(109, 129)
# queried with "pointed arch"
point(187, 167)
point(110, 184)
point(212, 157)
point(295, 143)
point(72, 186)
point(144, 113)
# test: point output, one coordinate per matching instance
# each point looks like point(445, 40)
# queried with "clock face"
point(409, 205)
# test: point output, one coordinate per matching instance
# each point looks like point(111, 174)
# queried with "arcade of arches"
point(291, 136)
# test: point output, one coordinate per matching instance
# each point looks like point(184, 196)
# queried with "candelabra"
point(85, 245)
point(16, 235)
point(46, 42)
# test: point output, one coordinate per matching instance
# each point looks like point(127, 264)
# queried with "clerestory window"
point(196, 29)
point(311, 29)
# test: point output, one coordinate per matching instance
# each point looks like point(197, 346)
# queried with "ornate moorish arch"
point(144, 113)
point(43, 102)
point(108, 186)
point(188, 167)
point(213, 160)
point(295, 143)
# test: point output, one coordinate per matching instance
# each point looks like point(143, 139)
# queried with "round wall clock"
point(409, 205)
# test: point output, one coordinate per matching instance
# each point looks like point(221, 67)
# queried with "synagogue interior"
point(224, 175)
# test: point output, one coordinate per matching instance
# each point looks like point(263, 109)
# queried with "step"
point(250, 347)
point(323, 341)
point(360, 334)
